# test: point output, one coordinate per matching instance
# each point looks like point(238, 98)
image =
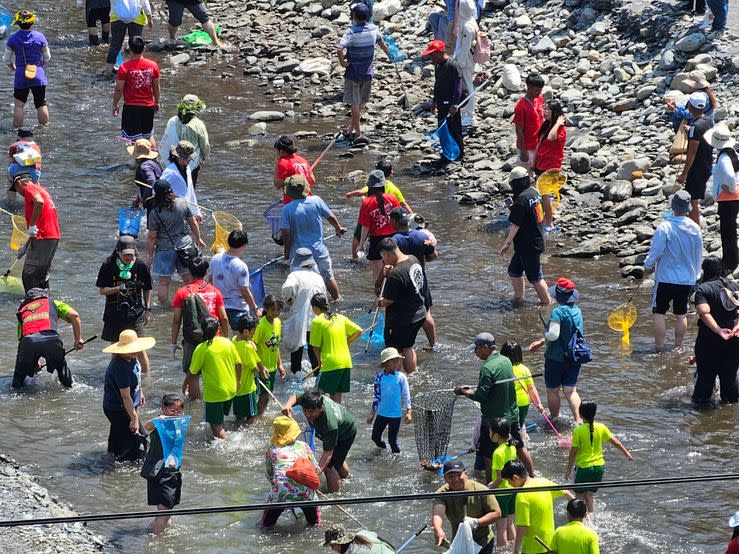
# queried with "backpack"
point(194, 316)
point(481, 53)
point(577, 350)
point(127, 10)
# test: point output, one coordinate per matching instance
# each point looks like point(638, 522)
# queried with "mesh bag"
point(225, 223)
point(622, 318)
point(550, 182)
point(432, 422)
point(20, 235)
point(272, 217)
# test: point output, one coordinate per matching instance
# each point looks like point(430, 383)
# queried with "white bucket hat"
point(719, 137)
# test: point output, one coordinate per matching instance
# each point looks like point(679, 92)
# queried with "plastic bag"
point(304, 473)
point(199, 37)
point(463, 542)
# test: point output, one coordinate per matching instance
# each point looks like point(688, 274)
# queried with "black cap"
point(454, 466)
point(19, 177)
point(400, 215)
point(25, 133)
point(162, 186)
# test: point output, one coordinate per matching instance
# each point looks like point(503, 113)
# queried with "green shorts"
point(269, 382)
point(523, 411)
point(507, 503)
point(336, 380)
point(245, 406)
point(215, 412)
point(592, 474)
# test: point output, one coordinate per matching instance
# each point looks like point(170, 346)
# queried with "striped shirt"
point(359, 42)
point(391, 394)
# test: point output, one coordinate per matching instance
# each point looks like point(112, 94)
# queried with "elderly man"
point(495, 399)
point(43, 231)
point(480, 512)
point(301, 226)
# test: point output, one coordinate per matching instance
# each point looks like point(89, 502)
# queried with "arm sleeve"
point(364, 218)
point(351, 327)
point(145, 277)
point(391, 288)
point(698, 255)
point(377, 395)
point(198, 357)
point(405, 392)
point(105, 277)
point(284, 220)
point(518, 212)
point(345, 40)
point(700, 296)
point(324, 210)
point(552, 333)
point(315, 334)
point(659, 242)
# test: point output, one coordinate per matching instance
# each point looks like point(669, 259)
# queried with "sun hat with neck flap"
point(285, 431)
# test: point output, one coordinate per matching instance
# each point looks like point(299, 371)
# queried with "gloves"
point(174, 348)
point(33, 231)
point(472, 522)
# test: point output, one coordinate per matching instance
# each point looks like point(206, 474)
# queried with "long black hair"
point(501, 426)
point(320, 301)
point(512, 351)
point(587, 412)
point(361, 541)
point(556, 109)
point(732, 156)
point(379, 194)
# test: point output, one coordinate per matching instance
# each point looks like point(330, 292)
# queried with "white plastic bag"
point(463, 542)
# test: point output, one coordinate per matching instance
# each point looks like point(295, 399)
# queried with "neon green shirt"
point(522, 386)
point(390, 188)
point(249, 359)
point(590, 453)
point(330, 335)
point(267, 337)
point(536, 511)
point(217, 360)
point(575, 538)
point(501, 455)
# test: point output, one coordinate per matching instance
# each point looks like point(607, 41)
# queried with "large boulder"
point(545, 44)
point(619, 191)
point(386, 8)
point(511, 78)
point(319, 66)
point(266, 115)
point(627, 169)
point(691, 42)
point(580, 162)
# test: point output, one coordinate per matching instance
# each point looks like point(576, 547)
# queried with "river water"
point(61, 435)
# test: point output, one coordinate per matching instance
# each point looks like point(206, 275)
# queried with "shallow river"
point(61, 436)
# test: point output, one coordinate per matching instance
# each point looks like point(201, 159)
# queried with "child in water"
point(246, 400)
point(391, 395)
point(500, 434)
point(267, 337)
point(525, 388)
point(587, 452)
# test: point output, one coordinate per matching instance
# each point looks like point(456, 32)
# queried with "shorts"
point(530, 264)
point(592, 474)
point(695, 184)
point(166, 262)
point(507, 503)
point(340, 452)
point(374, 242)
point(522, 163)
point(165, 489)
point(98, 14)
point(336, 380)
point(176, 10)
point(188, 349)
point(137, 122)
point(234, 316)
point(486, 447)
point(357, 94)
point(270, 384)
point(402, 336)
point(39, 95)
point(112, 329)
point(245, 406)
point(560, 373)
point(664, 293)
point(216, 412)
point(523, 411)
point(358, 232)
point(323, 263)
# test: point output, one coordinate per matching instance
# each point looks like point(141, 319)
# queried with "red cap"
point(565, 284)
point(434, 46)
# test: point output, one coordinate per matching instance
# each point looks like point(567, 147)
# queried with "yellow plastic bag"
point(550, 182)
point(225, 223)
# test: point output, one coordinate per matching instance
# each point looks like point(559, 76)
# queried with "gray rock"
point(580, 163)
point(629, 217)
point(511, 78)
point(287, 66)
point(619, 191)
point(598, 29)
point(179, 59)
point(571, 95)
point(545, 44)
point(328, 3)
point(257, 129)
point(589, 248)
point(627, 168)
point(680, 82)
point(586, 144)
point(317, 66)
point(267, 115)
point(667, 60)
point(522, 21)
point(642, 93)
point(629, 205)
point(735, 63)
point(691, 42)
point(643, 232)
point(624, 105)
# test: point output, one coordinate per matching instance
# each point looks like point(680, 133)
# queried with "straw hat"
point(286, 430)
point(142, 149)
point(719, 137)
point(389, 354)
point(130, 343)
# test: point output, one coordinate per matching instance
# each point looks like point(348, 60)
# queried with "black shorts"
point(340, 452)
point(98, 14)
point(486, 447)
point(39, 95)
point(695, 184)
point(665, 293)
point(528, 264)
point(177, 9)
point(137, 122)
point(374, 242)
point(402, 336)
point(165, 489)
point(112, 329)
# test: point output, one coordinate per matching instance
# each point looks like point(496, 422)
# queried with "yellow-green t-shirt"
point(589, 453)
point(330, 335)
point(267, 337)
point(217, 360)
point(390, 188)
point(501, 455)
point(535, 510)
point(249, 359)
point(575, 538)
point(522, 386)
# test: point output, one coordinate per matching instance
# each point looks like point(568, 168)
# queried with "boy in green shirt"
point(245, 401)
point(574, 537)
point(267, 337)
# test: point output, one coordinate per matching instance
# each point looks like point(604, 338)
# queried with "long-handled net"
point(225, 223)
point(622, 318)
point(550, 182)
point(432, 415)
point(272, 217)
point(20, 235)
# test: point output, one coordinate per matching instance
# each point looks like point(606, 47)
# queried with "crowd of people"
point(215, 302)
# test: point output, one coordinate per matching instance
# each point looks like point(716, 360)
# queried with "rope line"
point(364, 500)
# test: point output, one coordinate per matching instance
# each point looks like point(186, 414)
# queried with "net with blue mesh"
point(442, 141)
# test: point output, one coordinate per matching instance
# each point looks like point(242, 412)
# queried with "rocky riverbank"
point(22, 498)
point(609, 64)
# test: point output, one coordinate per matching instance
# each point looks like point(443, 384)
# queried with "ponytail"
point(320, 301)
point(587, 412)
point(379, 194)
point(591, 433)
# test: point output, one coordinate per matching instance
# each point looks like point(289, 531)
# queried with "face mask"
point(124, 270)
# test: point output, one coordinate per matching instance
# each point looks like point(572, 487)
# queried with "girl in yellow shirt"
point(500, 434)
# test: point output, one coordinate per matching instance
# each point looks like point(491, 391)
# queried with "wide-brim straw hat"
point(719, 137)
point(130, 343)
point(142, 149)
point(286, 431)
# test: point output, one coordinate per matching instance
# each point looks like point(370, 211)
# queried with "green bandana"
point(124, 269)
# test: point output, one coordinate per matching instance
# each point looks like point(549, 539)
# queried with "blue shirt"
point(119, 375)
point(359, 42)
point(567, 316)
point(303, 217)
point(412, 243)
point(676, 251)
point(391, 394)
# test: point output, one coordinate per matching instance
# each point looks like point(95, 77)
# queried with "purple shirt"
point(27, 46)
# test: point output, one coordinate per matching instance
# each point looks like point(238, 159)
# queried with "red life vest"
point(36, 316)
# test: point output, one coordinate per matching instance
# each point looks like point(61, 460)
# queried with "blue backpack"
point(577, 350)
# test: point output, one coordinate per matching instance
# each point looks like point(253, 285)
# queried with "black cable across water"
point(365, 500)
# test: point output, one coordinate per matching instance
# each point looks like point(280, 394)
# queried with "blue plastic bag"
point(172, 434)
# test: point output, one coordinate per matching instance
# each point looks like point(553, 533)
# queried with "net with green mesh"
point(549, 184)
point(432, 422)
point(225, 223)
point(622, 319)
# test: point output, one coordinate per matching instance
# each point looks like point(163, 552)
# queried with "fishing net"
point(225, 223)
point(622, 319)
point(432, 422)
point(550, 182)
point(272, 217)
point(20, 235)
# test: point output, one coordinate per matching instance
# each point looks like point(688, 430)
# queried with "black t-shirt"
point(115, 308)
point(404, 285)
point(528, 213)
point(447, 83)
point(710, 293)
point(703, 162)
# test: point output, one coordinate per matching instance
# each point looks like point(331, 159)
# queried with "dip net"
point(622, 319)
point(272, 217)
point(549, 184)
point(20, 235)
point(432, 422)
point(225, 223)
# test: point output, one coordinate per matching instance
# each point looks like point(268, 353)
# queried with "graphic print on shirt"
point(379, 219)
point(416, 274)
point(535, 203)
point(273, 343)
point(141, 78)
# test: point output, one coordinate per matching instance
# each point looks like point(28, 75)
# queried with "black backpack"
point(194, 316)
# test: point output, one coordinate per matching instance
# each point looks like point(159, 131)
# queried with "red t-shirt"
point(47, 223)
point(138, 76)
point(294, 165)
point(733, 547)
point(552, 152)
point(530, 116)
point(210, 295)
point(371, 216)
